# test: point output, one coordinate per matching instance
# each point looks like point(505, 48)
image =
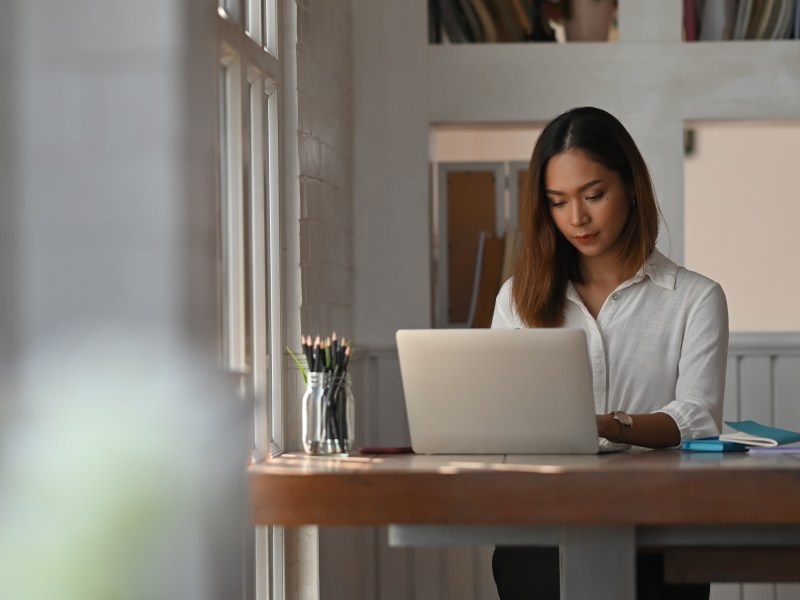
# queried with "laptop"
point(499, 391)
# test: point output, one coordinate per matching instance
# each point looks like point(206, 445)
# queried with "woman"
point(657, 333)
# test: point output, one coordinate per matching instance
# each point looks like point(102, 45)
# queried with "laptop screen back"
point(498, 391)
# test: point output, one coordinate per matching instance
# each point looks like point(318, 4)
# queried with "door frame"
point(440, 239)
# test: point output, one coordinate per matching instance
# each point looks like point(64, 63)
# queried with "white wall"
point(325, 146)
point(742, 215)
point(469, 143)
point(392, 207)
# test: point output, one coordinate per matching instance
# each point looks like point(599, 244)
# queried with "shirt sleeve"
point(700, 389)
point(504, 316)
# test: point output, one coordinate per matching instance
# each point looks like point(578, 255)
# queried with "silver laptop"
point(499, 391)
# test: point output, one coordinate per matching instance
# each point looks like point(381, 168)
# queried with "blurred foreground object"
point(121, 475)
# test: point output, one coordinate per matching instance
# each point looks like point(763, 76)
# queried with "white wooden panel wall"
point(763, 383)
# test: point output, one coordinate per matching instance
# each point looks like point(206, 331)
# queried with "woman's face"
point(588, 203)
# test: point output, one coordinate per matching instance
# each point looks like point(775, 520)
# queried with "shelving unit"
point(654, 83)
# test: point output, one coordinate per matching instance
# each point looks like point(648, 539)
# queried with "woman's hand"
point(655, 430)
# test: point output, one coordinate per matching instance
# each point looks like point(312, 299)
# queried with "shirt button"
point(615, 297)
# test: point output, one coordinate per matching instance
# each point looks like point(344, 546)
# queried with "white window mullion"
point(269, 12)
point(259, 333)
point(277, 565)
point(258, 265)
point(272, 172)
point(234, 284)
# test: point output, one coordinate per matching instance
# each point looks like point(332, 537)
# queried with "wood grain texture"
point(649, 488)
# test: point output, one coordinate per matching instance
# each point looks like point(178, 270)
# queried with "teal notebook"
point(751, 433)
point(713, 444)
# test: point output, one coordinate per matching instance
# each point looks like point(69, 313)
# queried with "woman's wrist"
point(656, 430)
point(608, 428)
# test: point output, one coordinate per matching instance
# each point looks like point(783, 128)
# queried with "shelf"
point(520, 83)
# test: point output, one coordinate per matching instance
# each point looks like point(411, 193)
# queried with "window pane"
point(270, 15)
point(269, 106)
point(267, 195)
point(261, 106)
point(224, 177)
point(247, 230)
point(232, 218)
point(258, 324)
point(253, 21)
point(229, 9)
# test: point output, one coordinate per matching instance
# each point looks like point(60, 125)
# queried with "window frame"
point(249, 63)
point(251, 196)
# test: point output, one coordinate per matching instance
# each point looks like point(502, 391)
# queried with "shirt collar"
point(661, 270)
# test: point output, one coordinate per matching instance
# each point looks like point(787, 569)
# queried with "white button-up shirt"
point(659, 344)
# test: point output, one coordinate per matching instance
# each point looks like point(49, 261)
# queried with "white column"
point(661, 143)
point(392, 200)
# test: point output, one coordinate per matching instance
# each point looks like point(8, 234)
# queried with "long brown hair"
point(547, 261)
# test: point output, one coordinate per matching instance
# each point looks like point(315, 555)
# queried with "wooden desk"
point(599, 509)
